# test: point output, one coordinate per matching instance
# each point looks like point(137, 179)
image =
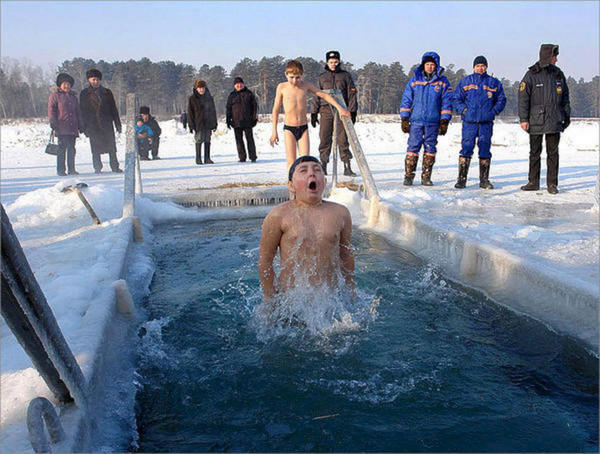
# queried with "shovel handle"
point(87, 205)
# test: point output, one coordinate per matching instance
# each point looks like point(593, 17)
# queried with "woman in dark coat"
point(66, 122)
point(202, 119)
point(99, 113)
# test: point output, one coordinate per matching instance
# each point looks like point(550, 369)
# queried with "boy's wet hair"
point(294, 67)
point(300, 160)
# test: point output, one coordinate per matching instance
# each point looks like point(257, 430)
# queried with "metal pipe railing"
point(30, 318)
point(130, 158)
point(40, 410)
point(363, 166)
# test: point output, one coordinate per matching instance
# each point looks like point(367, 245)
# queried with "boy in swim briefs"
point(313, 235)
point(293, 95)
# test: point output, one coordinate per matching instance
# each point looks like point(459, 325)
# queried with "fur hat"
point(199, 83)
point(480, 60)
point(64, 77)
point(332, 54)
point(238, 80)
point(93, 73)
point(145, 110)
point(428, 59)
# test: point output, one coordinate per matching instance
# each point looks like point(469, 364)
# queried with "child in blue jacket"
point(426, 111)
point(142, 132)
point(478, 98)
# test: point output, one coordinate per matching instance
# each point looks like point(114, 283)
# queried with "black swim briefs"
point(297, 131)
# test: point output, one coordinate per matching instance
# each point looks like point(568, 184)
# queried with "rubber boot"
point(199, 153)
point(463, 171)
point(484, 174)
point(207, 159)
point(410, 165)
point(428, 161)
point(348, 170)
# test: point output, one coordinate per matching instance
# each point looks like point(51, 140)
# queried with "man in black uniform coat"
point(334, 77)
point(99, 112)
point(544, 109)
point(242, 114)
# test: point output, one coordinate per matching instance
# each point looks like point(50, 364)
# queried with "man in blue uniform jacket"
point(426, 111)
point(478, 99)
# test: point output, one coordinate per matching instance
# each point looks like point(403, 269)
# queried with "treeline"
point(165, 86)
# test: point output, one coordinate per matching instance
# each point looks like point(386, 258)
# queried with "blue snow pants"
point(422, 134)
point(480, 131)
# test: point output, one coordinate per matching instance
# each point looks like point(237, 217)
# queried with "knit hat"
point(428, 59)
point(238, 80)
point(199, 83)
point(64, 77)
point(300, 160)
point(93, 73)
point(481, 60)
point(145, 110)
point(332, 54)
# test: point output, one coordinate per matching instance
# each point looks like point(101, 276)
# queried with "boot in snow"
point(428, 161)
point(207, 159)
point(198, 153)
point(484, 174)
point(348, 170)
point(410, 165)
point(463, 171)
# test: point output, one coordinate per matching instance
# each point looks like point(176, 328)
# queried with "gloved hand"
point(443, 129)
point(228, 122)
point(191, 131)
point(405, 125)
point(567, 122)
point(353, 117)
point(314, 119)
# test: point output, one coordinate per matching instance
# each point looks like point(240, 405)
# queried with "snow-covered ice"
point(76, 262)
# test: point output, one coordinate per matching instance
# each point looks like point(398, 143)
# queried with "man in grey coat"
point(334, 77)
point(544, 109)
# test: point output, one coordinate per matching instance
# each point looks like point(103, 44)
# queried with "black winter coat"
point(544, 99)
point(242, 109)
point(156, 131)
point(336, 80)
point(201, 111)
point(99, 114)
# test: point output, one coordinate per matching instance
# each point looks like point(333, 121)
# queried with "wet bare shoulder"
point(340, 209)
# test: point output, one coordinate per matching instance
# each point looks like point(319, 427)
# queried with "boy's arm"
point(269, 242)
point(346, 253)
point(330, 99)
point(275, 114)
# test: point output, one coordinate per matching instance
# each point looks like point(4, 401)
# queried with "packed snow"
point(76, 262)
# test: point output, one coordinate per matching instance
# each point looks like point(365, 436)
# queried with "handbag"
point(51, 147)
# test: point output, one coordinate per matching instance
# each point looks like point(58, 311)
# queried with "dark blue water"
point(421, 364)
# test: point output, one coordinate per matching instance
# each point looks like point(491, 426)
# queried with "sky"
point(222, 33)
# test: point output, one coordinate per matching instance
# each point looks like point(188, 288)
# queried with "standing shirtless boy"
point(313, 236)
point(293, 95)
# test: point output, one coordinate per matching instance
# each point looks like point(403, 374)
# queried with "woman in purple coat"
point(65, 121)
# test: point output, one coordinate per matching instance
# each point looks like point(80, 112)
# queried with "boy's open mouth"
point(312, 185)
